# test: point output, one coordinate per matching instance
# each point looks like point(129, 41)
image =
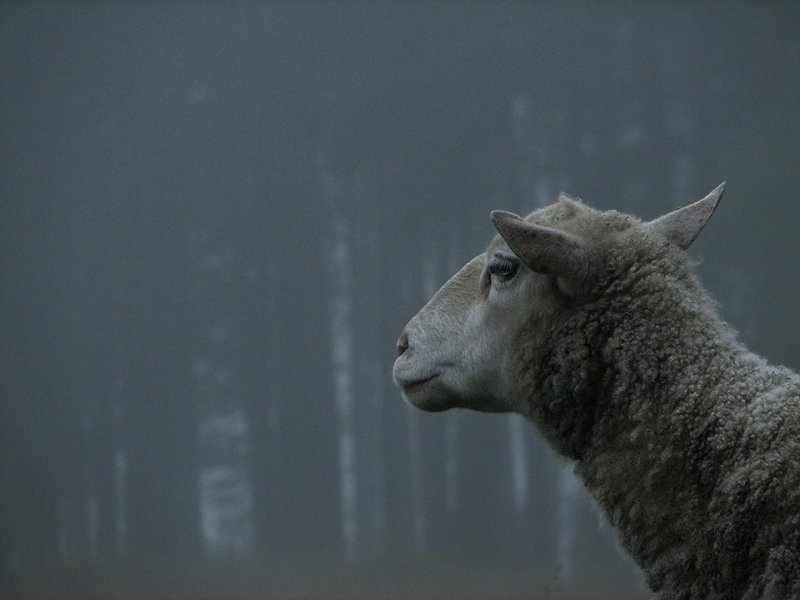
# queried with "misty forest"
point(218, 216)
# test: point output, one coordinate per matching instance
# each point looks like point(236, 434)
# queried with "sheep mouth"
point(416, 384)
point(426, 394)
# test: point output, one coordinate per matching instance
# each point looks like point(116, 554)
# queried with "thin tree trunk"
point(225, 499)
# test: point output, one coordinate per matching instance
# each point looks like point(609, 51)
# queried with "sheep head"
point(463, 348)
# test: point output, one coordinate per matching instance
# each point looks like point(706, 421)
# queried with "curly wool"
point(688, 441)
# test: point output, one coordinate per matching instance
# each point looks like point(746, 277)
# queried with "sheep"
point(593, 326)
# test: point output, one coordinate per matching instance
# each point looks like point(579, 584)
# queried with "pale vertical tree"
point(119, 473)
point(92, 516)
point(341, 353)
point(569, 494)
point(120, 505)
point(88, 504)
point(225, 496)
point(369, 352)
point(66, 530)
point(419, 514)
point(520, 481)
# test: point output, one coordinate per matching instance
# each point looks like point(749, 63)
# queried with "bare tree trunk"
point(370, 348)
point(225, 497)
point(520, 482)
point(569, 489)
point(119, 474)
point(120, 504)
point(92, 516)
point(341, 340)
point(419, 514)
point(340, 320)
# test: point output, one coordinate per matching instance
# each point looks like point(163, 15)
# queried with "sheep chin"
point(427, 394)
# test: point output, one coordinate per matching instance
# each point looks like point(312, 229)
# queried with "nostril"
point(402, 344)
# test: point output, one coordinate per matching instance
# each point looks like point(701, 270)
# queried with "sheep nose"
point(402, 344)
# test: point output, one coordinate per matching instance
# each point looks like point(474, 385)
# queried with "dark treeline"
point(216, 219)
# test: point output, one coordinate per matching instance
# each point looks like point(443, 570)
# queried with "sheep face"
point(504, 308)
point(454, 352)
point(459, 349)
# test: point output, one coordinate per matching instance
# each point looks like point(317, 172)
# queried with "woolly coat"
point(689, 442)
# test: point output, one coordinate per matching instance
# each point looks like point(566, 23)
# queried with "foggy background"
point(218, 216)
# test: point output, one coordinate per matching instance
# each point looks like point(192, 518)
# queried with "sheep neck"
point(669, 422)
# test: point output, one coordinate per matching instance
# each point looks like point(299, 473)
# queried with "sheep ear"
point(545, 250)
point(682, 226)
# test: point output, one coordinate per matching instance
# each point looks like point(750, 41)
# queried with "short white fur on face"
point(435, 366)
point(459, 344)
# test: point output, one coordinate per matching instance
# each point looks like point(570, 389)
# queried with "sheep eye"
point(503, 266)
